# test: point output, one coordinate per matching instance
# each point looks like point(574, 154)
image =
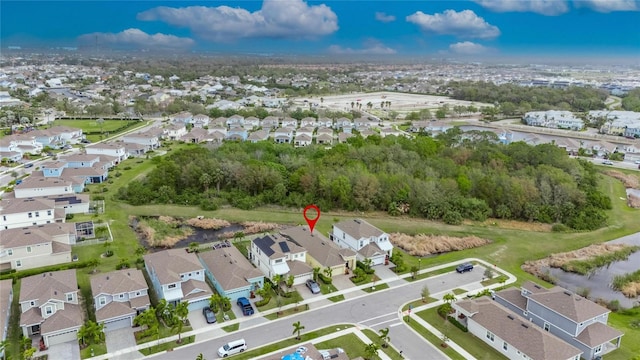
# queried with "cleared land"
point(399, 101)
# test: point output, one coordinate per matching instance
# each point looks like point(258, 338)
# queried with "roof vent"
point(107, 278)
point(128, 273)
point(357, 221)
point(537, 286)
point(55, 292)
point(510, 317)
point(567, 293)
point(525, 326)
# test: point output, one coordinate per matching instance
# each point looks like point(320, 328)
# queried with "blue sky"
point(478, 28)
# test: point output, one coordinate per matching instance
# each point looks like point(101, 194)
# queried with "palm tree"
point(316, 271)
point(214, 302)
point(289, 281)
point(83, 332)
point(148, 318)
point(225, 303)
point(277, 278)
point(206, 181)
point(297, 328)
point(449, 298)
point(328, 272)
point(384, 336)
point(194, 247)
point(200, 357)
point(414, 272)
point(371, 351)
point(181, 312)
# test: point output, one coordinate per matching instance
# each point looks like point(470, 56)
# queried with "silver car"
point(313, 286)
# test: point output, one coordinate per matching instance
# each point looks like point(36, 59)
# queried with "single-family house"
point(36, 246)
point(390, 132)
point(19, 213)
point(178, 276)
point(235, 120)
point(119, 296)
point(175, 131)
point(90, 175)
point(216, 137)
point(283, 135)
point(183, 117)
point(201, 121)
point(553, 119)
point(260, 135)
point(6, 298)
point(149, 139)
point(219, 121)
point(81, 160)
point(576, 320)
point(365, 239)
point(237, 133)
point(49, 307)
point(116, 150)
point(218, 128)
point(365, 133)
point(302, 140)
point(251, 123)
point(321, 252)
point(324, 139)
point(509, 334)
point(343, 136)
point(48, 138)
point(68, 135)
point(9, 149)
point(26, 143)
point(342, 123)
point(325, 122)
point(269, 123)
point(305, 131)
point(289, 122)
point(309, 122)
point(231, 273)
point(196, 135)
point(34, 186)
point(276, 255)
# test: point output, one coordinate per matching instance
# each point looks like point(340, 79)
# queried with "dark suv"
point(464, 267)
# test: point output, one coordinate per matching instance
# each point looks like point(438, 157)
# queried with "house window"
point(18, 263)
point(490, 335)
point(30, 215)
point(103, 300)
point(33, 303)
point(505, 346)
point(138, 293)
point(48, 310)
point(49, 212)
point(172, 286)
point(37, 213)
point(121, 296)
point(69, 297)
point(181, 276)
point(9, 252)
point(4, 218)
point(546, 326)
point(28, 249)
point(598, 349)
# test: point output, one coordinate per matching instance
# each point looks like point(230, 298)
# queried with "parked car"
point(232, 347)
point(209, 315)
point(464, 267)
point(245, 305)
point(313, 286)
point(28, 165)
point(637, 162)
point(607, 162)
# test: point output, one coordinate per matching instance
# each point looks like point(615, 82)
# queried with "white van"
point(232, 347)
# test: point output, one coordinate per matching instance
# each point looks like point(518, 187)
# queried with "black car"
point(209, 315)
point(28, 165)
point(464, 267)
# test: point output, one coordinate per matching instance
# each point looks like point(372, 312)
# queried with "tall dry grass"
point(629, 181)
point(631, 290)
point(254, 227)
point(205, 223)
point(537, 267)
point(422, 244)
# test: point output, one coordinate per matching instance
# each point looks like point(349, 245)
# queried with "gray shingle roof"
point(524, 336)
point(358, 228)
point(318, 246)
point(46, 286)
point(169, 264)
point(570, 305)
point(117, 282)
point(598, 333)
point(229, 267)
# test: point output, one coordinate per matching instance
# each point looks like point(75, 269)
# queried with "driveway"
point(197, 320)
point(121, 339)
point(342, 282)
point(69, 350)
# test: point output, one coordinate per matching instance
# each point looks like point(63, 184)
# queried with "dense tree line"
point(515, 99)
point(631, 101)
point(453, 177)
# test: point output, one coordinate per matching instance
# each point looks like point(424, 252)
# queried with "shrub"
point(457, 324)
point(325, 279)
point(126, 168)
point(444, 310)
point(263, 302)
point(68, 217)
point(560, 228)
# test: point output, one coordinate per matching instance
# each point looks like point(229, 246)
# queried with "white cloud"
point(450, 22)
point(276, 19)
point(544, 7)
point(468, 48)
point(606, 6)
point(370, 47)
point(136, 38)
point(382, 17)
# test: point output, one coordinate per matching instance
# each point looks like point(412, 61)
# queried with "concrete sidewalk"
point(206, 333)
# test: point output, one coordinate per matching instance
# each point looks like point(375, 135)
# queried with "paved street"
point(377, 310)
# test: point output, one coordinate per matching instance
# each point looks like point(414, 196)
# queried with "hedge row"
point(29, 272)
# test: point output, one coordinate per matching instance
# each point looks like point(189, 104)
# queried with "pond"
point(599, 282)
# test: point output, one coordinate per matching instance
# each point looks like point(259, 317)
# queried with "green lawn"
point(350, 343)
point(375, 337)
point(476, 347)
point(163, 333)
point(452, 354)
point(98, 349)
point(376, 287)
point(629, 323)
point(416, 303)
point(169, 346)
point(91, 125)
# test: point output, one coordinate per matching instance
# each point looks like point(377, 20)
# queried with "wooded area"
point(453, 177)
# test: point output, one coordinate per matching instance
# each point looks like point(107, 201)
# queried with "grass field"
point(91, 125)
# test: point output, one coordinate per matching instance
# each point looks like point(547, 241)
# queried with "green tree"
point(328, 272)
point(424, 294)
point(316, 271)
point(414, 271)
point(181, 312)
point(194, 247)
point(290, 280)
point(371, 351)
point(148, 318)
point(214, 302)
point(200, 357)
point(488, 273)
point(276, 280)
point(297, 328)
point(449, 298)
point(384, 336)
point(100, 123)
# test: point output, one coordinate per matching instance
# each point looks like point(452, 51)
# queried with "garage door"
point(198, 305)
point(61, 338)
point(117, 324)
point(377, 260)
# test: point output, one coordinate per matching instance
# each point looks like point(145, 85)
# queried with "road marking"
point(396, 324)
point(378, 317)
point(382, 322)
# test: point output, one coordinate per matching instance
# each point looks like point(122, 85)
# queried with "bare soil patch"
point(422, 244)
point(209, 224)
point(537, 267)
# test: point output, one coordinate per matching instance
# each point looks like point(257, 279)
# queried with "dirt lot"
point(399, 101)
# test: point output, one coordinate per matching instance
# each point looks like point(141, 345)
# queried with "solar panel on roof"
point(284, 246)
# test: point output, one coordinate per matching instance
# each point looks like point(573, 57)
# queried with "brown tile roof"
point(318, 246)
point(531, 340)
point(12, 238)
point(70, 317)
point(140, 302)
point(513, 296)
point(42, 182)
point(370, 249)
point(5, 299)
point(574, 307)
point(229, 267)
point(117, 282)
point(114, 309)
point(358, 228)
point(46, 286)
point(195, 289)
point(169, 264)
point(299, 268)
point(598, 333)
point(533, 287)
point(13, 206)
